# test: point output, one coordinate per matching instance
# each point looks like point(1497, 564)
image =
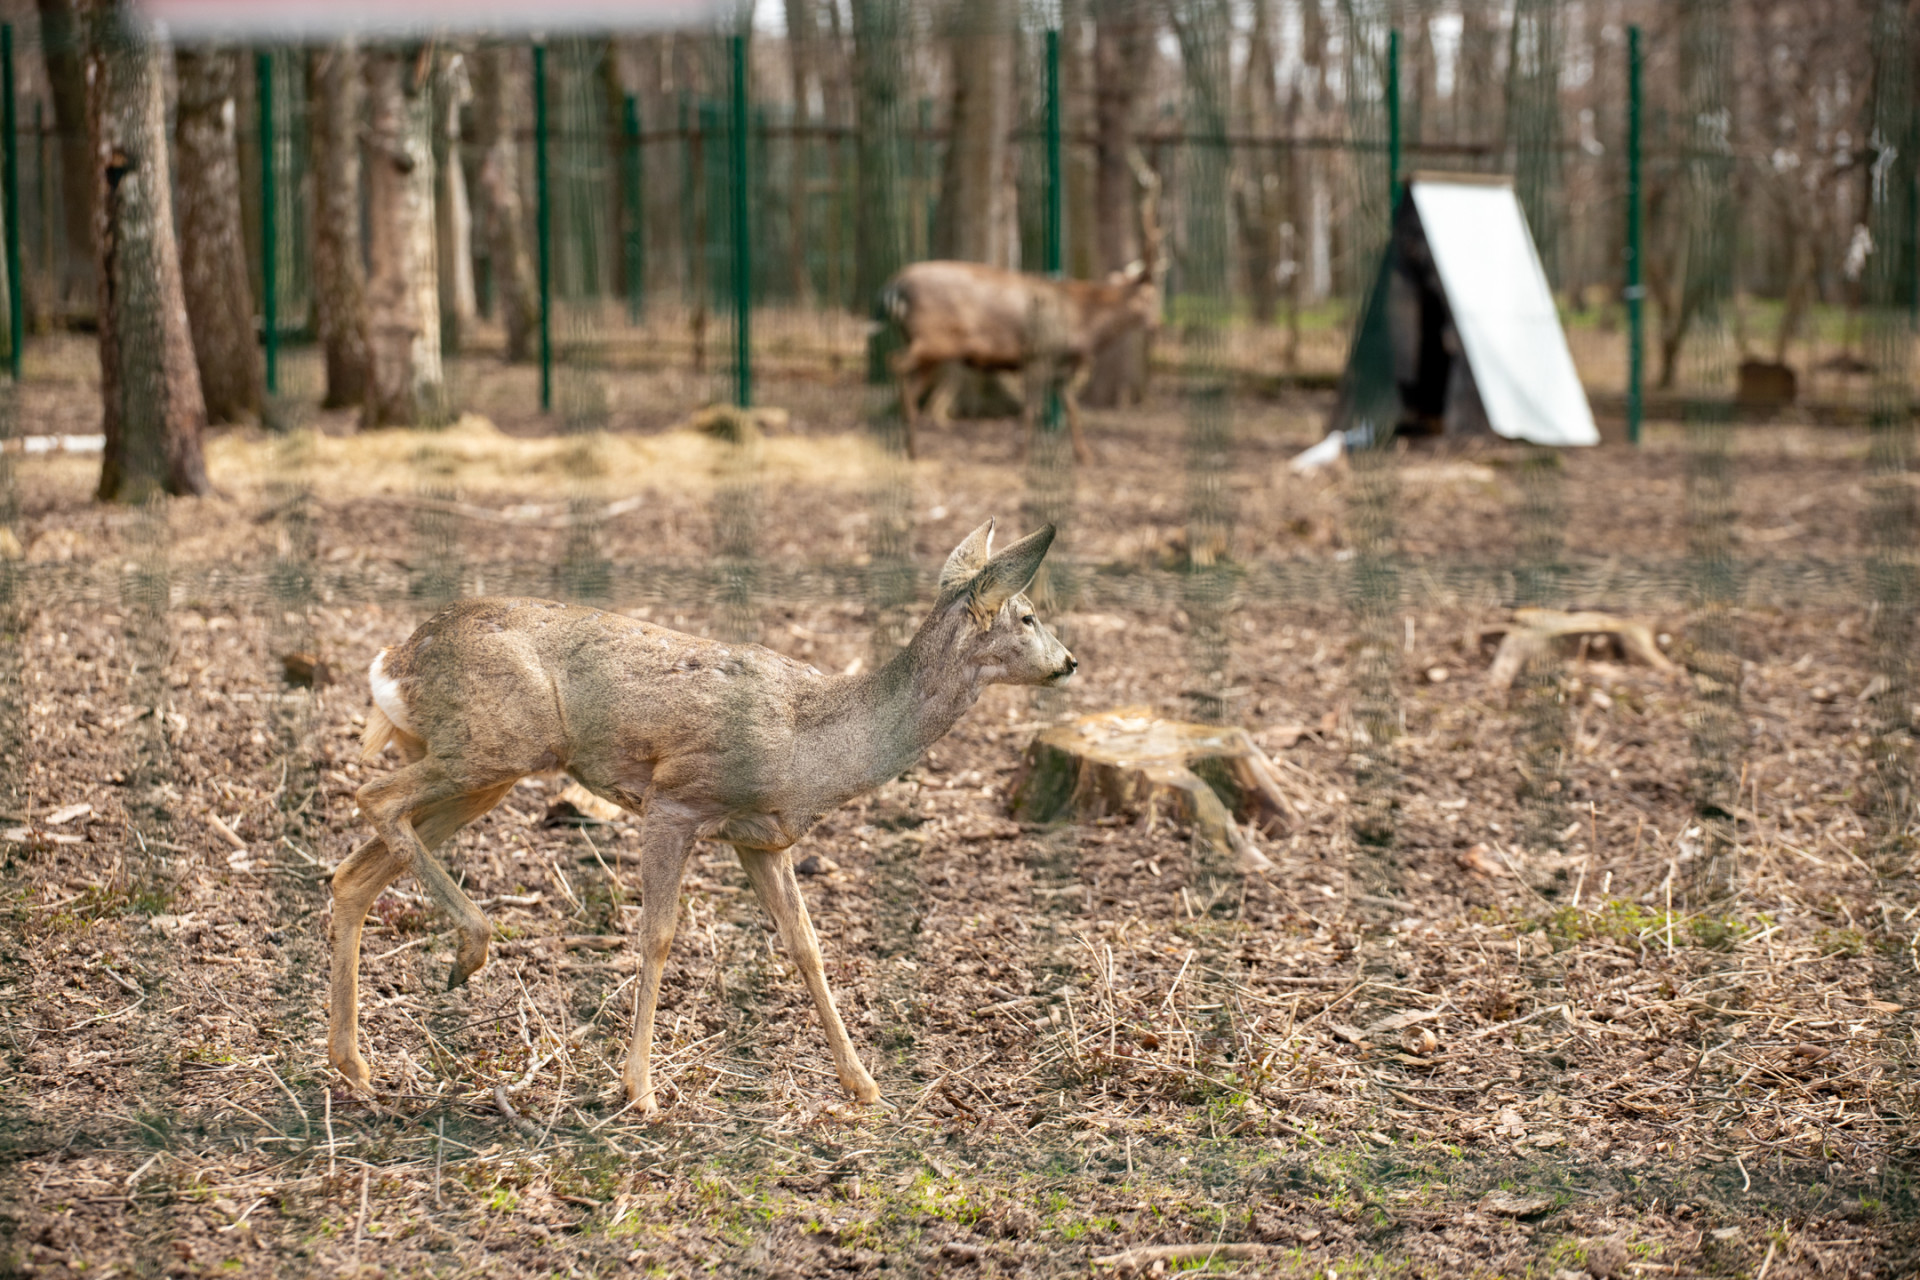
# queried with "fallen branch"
point(1147, 1255)
point(514, 1118)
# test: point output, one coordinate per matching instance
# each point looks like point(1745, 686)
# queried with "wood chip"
point(1515, 1204)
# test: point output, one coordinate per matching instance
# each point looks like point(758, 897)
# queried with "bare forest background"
point(407, 205)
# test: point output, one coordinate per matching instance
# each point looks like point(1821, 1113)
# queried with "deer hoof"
point(354, 1067)
point(863, 1090)
point(465, 965)
point(640, 1093)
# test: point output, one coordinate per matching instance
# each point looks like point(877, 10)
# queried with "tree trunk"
point(975, 221)
point(151, 408)
point(1081, 162)
point(803, 38)
point(453, 216)
point(1123, 40)
point(496, 122)
point(1257, 195)
point(219, 297)
point(66, 76)
point(879, 52)
point(339, 275)
point(403, 294)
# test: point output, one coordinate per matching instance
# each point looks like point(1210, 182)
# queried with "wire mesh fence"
point(634, 233)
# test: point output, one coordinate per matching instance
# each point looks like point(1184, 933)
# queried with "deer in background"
point(702, 740)
point(997, 321)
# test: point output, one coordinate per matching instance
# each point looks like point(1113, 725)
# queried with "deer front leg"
point(1070, 388)
point(663, 856)
point(356, 883)
point(914, 380)
point(779, 891)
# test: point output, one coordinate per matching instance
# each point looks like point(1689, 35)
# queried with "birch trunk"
point(496, 122)
point(452, 213)
point(151, 408)
point(403, 294)
point(339, 274)
point(219, 295)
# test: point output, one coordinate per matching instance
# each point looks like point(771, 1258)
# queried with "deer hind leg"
point(664, 839)
point(358, 882)
point(417, 809)
point(779, 891)
point(435, 825)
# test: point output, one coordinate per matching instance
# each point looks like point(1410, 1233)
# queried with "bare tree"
point(219, 295)
point(1123, 45)
point(975, 221)
point(1076, 118)
point(1258, 199)
point(879, 48)
point(453, 215)
point(60, 42)
point(151, 407)
point(339, 275)
point(403, 295)
point(496, 120)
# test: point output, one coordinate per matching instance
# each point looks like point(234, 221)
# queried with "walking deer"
point(702, 740)
point(996, 320)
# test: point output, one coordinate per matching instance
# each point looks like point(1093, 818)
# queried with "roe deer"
point(702, 740)
point(996, 320)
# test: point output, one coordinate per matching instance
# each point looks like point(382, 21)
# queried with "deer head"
point(986, 618)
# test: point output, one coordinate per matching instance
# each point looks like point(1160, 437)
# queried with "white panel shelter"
point(1460, 333)
point(1503, 310)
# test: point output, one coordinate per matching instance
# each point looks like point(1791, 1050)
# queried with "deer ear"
point(1008, 574)
point(969, 558)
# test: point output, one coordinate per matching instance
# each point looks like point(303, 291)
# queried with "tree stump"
point(1535, 632)
point(1130, 762)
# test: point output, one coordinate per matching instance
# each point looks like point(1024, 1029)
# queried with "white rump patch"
point(386, 693)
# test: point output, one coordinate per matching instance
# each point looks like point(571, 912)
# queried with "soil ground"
point(1091, 1039)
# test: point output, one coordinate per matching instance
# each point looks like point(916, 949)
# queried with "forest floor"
point(1090, 1045)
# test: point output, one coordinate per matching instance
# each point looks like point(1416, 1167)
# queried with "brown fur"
point(997, 320)
point(703, 740)
point(380, 731)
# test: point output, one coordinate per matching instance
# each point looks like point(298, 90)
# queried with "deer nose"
point(1073, 664)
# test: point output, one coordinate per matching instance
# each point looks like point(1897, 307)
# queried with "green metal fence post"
point(636, 216)
point(1051, 247)
point(1393, 123)
point(1913, 233)
point(1634, 292)
point(742, 239)
point(543, 223)
point(16, 312)
point(269, 227)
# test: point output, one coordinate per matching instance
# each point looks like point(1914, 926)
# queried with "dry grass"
point(1093, 1042)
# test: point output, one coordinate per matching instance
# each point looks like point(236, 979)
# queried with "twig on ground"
point(1147, 1255)
point(526, 1127)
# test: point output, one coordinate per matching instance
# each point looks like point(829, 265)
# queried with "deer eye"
point(1027, 620)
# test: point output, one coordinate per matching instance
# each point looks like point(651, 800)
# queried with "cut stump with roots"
point(1535, 633)
point(1128, 762)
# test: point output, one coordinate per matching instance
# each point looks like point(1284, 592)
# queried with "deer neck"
point(883, 720)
